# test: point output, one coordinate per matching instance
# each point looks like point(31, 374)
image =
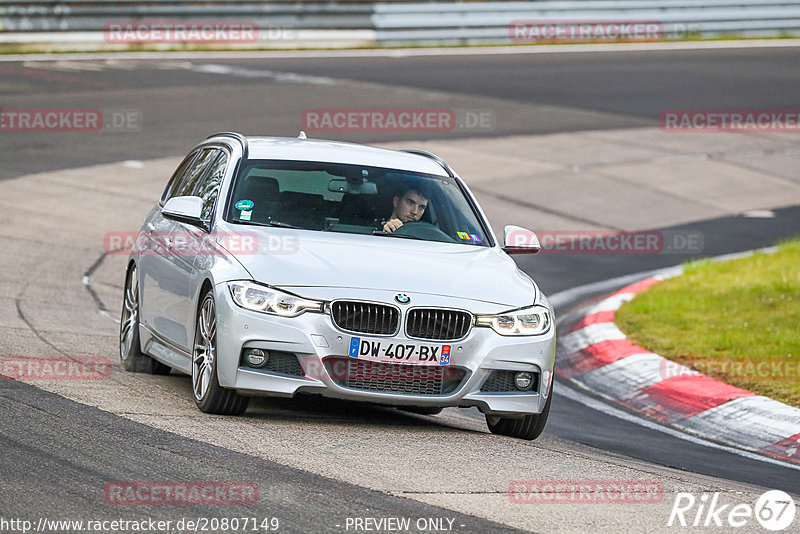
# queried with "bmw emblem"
point(402, 298)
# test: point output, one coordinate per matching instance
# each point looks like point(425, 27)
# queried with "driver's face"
point(410, 206)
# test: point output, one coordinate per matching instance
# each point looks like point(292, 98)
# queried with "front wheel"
point(528, 427)
point(130, 350)
point(209, 396)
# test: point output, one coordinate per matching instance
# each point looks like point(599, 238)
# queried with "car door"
point(167, 269)
point(200, 256)
point(151, 260)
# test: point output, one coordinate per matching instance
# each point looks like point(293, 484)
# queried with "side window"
point(177, 176)
point(188, 181)
point(208, 187)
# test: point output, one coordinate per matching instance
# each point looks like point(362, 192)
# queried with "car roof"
point(298, 149)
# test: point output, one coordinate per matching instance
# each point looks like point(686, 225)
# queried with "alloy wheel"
point(205, 348)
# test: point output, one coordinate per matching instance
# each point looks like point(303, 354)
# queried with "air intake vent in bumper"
point(395, 378)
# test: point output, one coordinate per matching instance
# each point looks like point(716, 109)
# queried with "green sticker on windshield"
point(245, 205)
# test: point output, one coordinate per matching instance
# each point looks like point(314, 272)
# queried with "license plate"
point(399, 352)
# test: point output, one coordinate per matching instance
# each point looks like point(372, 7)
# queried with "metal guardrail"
point(365, 22)
point(490, 22)
point(87, 16)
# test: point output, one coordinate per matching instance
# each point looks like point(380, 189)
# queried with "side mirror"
point(517, 240)
point(184, 209)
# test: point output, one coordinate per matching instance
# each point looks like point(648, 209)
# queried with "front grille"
point(503, 382)
point(394, 378)
point(365, 317)
point(431, 323)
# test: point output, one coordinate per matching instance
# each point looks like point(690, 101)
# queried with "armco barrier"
point(489, 22)
point(82, 24)
point(309, 23)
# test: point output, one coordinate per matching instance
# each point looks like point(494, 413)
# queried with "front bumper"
point(318, 344)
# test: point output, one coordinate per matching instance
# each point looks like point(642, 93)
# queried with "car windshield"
point(332, 197)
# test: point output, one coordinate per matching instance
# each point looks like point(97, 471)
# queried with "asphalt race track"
point(358, 461)
point(528, 94)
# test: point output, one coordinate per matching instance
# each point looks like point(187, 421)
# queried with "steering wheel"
point(424, 230)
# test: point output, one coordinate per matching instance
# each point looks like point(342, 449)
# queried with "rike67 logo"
point(774, 510)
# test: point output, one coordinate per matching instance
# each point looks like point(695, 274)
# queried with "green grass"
point(738, 321)
point(33, 49)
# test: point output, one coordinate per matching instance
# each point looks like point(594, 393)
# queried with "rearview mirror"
point(184, 209)
point(344, 186)
point(518, 240)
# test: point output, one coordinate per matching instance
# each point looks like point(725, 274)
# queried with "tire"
point(528, 427)
point(422, 410)
point(209, 396)
point(130, 349)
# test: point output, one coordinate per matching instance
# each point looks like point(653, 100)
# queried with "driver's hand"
point(392, 225)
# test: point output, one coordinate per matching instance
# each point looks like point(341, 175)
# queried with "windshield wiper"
point(392, 234)
point(276, 224)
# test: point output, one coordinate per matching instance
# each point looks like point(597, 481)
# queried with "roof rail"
point(239, 137)
point(434, 157)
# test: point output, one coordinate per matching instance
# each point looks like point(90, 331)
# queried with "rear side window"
point(190, 179)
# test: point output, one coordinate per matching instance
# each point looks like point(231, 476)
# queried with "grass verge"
point(738, 321)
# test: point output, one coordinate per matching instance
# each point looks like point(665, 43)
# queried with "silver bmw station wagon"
point(283, 266)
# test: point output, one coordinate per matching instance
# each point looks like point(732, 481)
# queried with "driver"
point(408, 207)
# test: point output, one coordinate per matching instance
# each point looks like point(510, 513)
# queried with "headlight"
point(268, 300)
point(531, 321)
